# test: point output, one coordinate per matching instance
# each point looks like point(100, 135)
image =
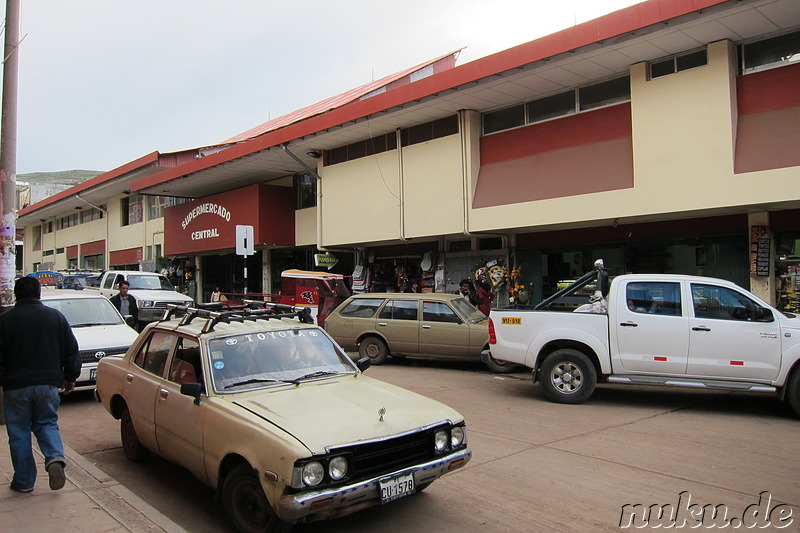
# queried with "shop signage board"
point(326, 260)
point(759, 251)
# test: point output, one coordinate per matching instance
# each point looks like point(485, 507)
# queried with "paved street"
point(537, 466)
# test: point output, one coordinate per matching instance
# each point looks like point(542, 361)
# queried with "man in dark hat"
point(38, 355)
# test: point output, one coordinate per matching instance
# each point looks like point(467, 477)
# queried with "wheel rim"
point(567, 377)
point(250, 506)
point(373, 350)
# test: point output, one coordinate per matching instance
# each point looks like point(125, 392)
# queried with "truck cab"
point(321, 291)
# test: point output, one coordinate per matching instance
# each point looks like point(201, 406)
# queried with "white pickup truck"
point(152, 291)
point(652, 329)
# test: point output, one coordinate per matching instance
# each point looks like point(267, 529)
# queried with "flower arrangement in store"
point(517, 292)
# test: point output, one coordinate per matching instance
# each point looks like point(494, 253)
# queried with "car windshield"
point(467, 310)
point(150, 282)
point(85, 312)
point(254, 360)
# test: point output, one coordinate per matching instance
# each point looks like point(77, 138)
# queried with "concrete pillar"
point(763, 286)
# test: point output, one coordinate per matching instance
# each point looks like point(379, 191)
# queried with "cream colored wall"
point(432, 187)
point(683, 136)
point(360, 200)
point(305, 227)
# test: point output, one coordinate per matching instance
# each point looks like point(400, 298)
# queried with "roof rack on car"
point(250, 311)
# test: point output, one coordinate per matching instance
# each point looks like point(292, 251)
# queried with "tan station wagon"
point(430, 325)
point(264, 407)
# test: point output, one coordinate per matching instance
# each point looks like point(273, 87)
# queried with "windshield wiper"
point(260, 380)
point(317, 374)
point(90, 324)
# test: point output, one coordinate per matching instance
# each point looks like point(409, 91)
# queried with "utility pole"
point(8, 163)
point(8, 155)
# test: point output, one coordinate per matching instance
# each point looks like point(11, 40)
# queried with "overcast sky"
point(104, 82)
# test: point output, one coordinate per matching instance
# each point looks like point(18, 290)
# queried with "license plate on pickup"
point(396, 487)
point(93, 374)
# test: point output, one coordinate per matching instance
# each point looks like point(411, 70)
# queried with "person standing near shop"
point(467, 290)
point(126, 303)
point(485, 297)
point(38, 354)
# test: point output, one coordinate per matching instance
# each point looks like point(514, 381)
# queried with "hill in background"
point(64, 177)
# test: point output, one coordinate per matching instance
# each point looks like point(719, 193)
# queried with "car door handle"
point(163, 393)
point(129, 378)
point(629, 324)
point(425, 326)
point(701, 328)
point(382, 324)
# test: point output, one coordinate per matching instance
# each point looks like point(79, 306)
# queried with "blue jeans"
point(32, 409)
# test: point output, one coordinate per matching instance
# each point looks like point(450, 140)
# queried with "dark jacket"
point(37, 347)
point(134, 309)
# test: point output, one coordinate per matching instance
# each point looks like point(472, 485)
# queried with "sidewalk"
point(90, 501)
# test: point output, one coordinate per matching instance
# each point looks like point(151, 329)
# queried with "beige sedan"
point(431, 325)
point(267, 409)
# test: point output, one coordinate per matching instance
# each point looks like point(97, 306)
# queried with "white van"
point(97, 325)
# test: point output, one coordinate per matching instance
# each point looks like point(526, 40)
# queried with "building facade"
point(663, 138)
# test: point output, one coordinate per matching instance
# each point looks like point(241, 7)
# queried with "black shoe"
point(17, 488)
point(57, 477)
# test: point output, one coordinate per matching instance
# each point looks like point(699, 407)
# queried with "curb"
point(115, 499)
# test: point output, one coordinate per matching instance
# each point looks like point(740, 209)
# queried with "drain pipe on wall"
point(318, 179)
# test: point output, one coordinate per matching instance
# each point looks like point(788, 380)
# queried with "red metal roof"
point(440, 64)
point(621, 22)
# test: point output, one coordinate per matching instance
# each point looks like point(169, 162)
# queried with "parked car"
point(429, 325)
point(153, 291)
point(653, 329)
point(264, 407)
point(97, 325)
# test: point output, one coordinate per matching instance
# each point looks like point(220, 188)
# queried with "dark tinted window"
point(361, 307)
point(504, 119)
point(551, 107)
point(657, 298)
point(400, 310)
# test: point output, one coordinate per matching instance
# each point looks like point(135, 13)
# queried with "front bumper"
point(335, 502)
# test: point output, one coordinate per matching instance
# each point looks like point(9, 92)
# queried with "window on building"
point(769, 53)
point(430, 130)
point(59, 250)
point(157, 204)
point(459, 246)
point(605, 93)
point(559, 105)
point(131, 210)
point(67, 221)
point(504, 119)
point(47, 253)
point(678, 63)
point(88, 215)
point(306, 185)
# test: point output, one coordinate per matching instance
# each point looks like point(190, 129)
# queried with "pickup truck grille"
point(92, 356)
point(373, 458)
point(163, 305)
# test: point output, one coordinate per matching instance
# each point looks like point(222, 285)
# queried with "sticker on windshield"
point(219, 365)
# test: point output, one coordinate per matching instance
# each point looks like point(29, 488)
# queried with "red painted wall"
point(579, 154)
point(209, 224)
point(768, 129)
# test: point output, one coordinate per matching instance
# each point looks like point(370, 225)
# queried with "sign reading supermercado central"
point(209, 224)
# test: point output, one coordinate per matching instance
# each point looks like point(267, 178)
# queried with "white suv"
point(97, 325)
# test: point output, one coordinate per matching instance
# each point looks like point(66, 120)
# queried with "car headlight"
point(337, 468)
point(440, 440)
point(457, 435)
point(147, 303)
point(313, 474)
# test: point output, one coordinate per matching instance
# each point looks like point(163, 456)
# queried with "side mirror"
point(763, 314)
point(364, 363)
point(193, 390)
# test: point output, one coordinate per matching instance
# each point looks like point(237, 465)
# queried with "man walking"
point(38, 354)
point(126, 303)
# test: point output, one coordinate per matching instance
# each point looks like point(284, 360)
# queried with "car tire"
point(567, 376)
point(375, 349)
point(498, 366)
point(793, 391)
point(133, 449)
point(246, 504)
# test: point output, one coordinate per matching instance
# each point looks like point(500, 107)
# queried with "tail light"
point(492, 336)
